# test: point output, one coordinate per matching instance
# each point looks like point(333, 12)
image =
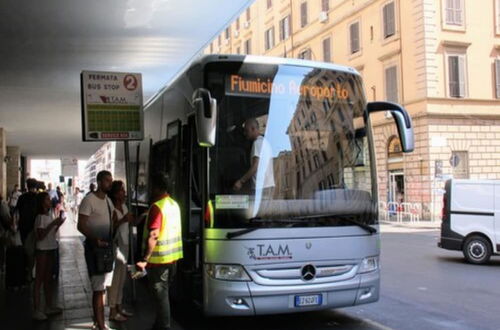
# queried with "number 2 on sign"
point(130, 82)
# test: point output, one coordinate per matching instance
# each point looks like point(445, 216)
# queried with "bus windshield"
point(292, 148)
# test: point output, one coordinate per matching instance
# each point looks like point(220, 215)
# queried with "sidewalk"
point(422, 224)
point(73, 293)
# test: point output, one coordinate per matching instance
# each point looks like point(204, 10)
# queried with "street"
point(423, 287)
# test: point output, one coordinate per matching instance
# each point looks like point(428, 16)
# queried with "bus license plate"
point(311, 300)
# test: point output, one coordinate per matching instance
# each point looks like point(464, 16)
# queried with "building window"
point(285, 28)
point(497, 77)
point(269, 38)
point(454, 12)
point(228, 32)
point(316, 161)
point(248, 14)
point(456, 75)
point(389, 20)
point(460, 163)
point(303, 14)
point(327, 57)
point(497, 16)
point(219, 41)
point(238, 50)
point(325, 5)
point(269, 3)
point(354, 37)
point(237, 23)
point(313, 118)
point(248, 46)
point(211, 47)
point(305, 55)
point(391, 84)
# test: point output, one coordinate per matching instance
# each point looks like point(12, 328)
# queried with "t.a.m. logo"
point(269, 252)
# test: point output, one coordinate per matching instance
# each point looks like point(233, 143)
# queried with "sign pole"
point(129, 206)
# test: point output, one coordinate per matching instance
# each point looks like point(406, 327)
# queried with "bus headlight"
point(228, 272)
point(369, 264)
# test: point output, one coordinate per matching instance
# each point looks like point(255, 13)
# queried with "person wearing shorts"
point(46, 226)
point(94, 221)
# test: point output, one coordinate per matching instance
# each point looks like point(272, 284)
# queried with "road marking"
point(376, 324)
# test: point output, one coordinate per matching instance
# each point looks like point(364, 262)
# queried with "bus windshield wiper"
point(259, 220)
point(366, 227)
point(240, 232)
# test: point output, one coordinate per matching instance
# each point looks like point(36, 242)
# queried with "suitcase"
point(14, 267)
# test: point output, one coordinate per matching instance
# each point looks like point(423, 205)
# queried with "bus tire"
point(477, 250)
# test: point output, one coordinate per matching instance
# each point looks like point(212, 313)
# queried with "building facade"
point(440, 59)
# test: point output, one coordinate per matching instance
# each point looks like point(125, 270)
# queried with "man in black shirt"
point(27, 207)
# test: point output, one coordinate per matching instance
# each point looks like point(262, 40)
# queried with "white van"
point(471, 219)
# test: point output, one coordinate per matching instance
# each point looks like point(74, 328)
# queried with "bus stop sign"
point(111, 106)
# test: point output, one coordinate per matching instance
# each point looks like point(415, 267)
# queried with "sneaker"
point(39, 316)
point(126, 313)
point(118, 318)
point(53, 310)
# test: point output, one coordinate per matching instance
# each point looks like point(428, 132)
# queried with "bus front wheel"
point(477, 250)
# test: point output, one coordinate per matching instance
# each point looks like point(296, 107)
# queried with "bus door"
point(192, 171)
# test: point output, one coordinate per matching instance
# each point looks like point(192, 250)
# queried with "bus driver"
point(261, 151)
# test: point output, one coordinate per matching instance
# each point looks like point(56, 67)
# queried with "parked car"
point(471, 219)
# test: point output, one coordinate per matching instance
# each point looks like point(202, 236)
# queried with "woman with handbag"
point(46, 226)
point(121, 239)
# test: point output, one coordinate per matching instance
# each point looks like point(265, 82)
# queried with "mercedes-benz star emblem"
point(308, 272)
point(308, 245)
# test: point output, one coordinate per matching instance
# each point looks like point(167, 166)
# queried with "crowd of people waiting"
point(29, 225)
point(29, 248)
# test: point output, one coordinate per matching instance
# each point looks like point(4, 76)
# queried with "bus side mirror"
point(205, 108)
point(403, 122)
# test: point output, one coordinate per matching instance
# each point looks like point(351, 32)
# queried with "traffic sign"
point(111, 106)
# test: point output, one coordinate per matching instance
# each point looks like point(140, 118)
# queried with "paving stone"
point(80, 313)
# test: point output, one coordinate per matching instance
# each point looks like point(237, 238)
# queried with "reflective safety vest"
point(169, 245)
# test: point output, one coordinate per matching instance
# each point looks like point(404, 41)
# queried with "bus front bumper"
point(227, 298)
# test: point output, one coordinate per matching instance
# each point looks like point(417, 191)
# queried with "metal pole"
point(129, 206)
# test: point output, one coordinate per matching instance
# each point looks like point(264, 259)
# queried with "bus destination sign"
point(238, 85)
point(111, 106)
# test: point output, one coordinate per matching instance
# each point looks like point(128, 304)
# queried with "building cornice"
point(455, 43)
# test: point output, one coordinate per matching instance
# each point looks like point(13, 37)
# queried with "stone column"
point(3, 164)
point(13, 167)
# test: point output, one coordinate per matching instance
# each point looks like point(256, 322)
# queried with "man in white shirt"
point(94, 221)
point(261, 170)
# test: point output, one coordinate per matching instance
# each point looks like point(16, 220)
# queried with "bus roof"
point(253, 59)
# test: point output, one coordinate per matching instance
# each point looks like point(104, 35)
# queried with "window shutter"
point(272, 37)
point(389, 20)
point(453, 76)
point(461, 76)
point(498, 15)
point(288, 29)
point(458, 12)
point(282, 29)
point(325, 5)
point(449, 11)
point(497, 77)
point(391, 84)
point(354, 31)
point(303, 14)
point(326, 50)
